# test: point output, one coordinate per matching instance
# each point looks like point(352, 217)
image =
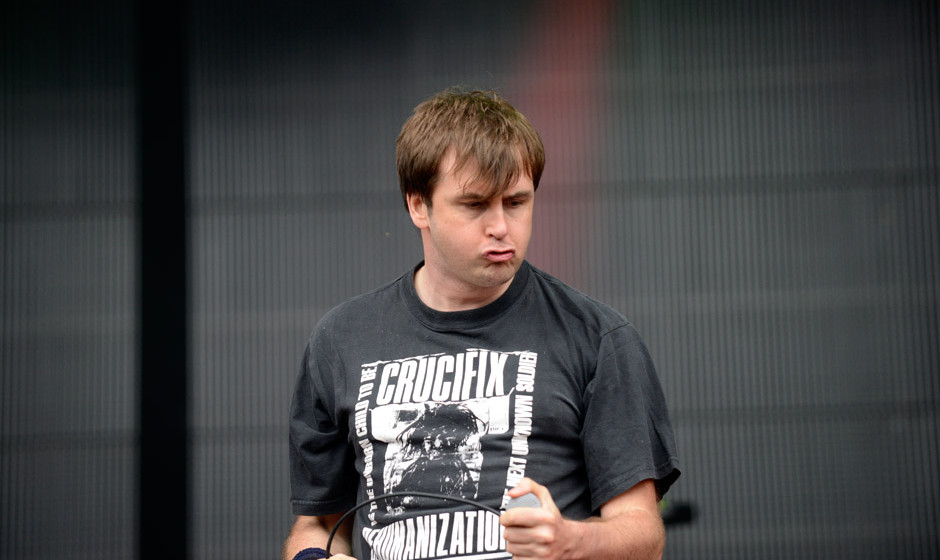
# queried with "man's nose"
point(496, 222)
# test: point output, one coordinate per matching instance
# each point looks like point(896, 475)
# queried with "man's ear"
point(419, 210)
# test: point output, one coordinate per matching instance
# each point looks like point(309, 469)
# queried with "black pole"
point(163, 489)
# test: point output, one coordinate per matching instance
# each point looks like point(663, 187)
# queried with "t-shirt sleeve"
point(627, 434)
point(323, 477)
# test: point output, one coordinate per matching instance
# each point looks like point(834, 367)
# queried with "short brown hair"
point(481, 128)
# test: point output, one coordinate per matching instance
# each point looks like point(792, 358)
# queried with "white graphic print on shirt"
point(431, 415)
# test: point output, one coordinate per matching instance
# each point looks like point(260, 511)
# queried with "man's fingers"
point(525, 486)
point(525, 518)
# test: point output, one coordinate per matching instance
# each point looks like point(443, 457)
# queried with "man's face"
point(473, 245)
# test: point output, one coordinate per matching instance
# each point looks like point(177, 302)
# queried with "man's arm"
point(629, 527)
point(313, 532)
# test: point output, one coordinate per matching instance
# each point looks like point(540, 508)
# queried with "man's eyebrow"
point(476, 196)
point(473, 196)
point(523, 193)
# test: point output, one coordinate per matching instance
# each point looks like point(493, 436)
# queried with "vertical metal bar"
point(163, 460)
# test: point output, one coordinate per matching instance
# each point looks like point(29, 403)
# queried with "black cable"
point(361, 505)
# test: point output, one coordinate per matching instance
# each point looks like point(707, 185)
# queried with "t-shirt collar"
point(460, 320)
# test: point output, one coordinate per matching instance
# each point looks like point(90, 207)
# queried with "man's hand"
point(629, 527)
point(309, 531)
point(536, 532)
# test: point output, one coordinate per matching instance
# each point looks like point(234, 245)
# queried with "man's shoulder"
point(576, 302)
point(364, 306)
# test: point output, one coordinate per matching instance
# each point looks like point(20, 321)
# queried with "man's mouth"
point(500, 256)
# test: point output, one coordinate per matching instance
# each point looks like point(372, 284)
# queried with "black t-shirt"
point(544, 382)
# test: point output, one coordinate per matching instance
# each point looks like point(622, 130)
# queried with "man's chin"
point(497, 274)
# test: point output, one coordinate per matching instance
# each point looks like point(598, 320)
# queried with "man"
point(478, 377)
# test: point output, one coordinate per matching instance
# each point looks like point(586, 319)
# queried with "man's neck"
point(446, 297)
